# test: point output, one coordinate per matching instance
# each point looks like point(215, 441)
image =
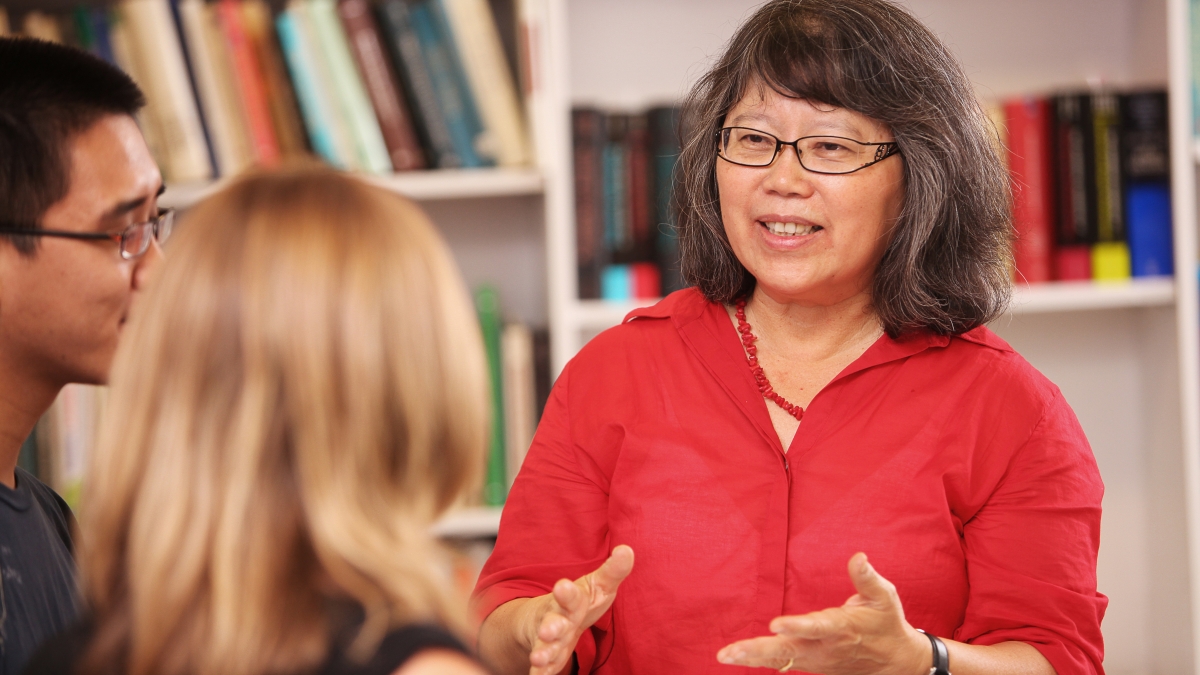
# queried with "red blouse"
point(957, 467)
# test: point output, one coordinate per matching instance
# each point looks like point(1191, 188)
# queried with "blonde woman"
point(301, 395)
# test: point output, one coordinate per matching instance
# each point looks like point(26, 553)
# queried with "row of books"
point(519, 367)
point(624, 215)
point(393, 86)
point(1091, 185)
point(519, 372)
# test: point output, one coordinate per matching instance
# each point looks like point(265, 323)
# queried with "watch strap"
point(941, 655)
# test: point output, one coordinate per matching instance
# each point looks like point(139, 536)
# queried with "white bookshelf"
point(429, 185)
point(469, 523)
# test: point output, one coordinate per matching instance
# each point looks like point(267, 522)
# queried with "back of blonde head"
point(302, 392)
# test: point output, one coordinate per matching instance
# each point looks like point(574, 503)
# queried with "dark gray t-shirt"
point(37, 571)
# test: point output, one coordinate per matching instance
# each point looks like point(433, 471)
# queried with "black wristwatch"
point(941, 655)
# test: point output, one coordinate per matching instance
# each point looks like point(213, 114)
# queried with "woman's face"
point(842, 222)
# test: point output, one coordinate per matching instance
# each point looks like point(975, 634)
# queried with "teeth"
point(790, 229)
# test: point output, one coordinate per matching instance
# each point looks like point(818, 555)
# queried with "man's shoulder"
point(51, 504)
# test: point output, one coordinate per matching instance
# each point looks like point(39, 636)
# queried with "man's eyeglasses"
point(819, 154)
point(133, 240)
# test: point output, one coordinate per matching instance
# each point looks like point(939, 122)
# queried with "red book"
point(1030, 164)
point(395, 122)
point(1073, 263)
point(250, 83)
point(647, 282)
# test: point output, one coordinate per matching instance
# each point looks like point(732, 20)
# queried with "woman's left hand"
point(868, 634)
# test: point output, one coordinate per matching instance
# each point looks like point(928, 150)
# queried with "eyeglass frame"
point(882, 152)
point(164, 215)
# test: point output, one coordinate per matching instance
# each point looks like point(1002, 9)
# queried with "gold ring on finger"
point(788, 666)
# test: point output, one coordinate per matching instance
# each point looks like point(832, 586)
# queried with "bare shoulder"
point(440, 662)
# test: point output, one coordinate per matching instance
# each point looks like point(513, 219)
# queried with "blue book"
point(1148, 218)
point(616, 283)
point(396, 25)
point(101, 42)
point(297, 52)
point(449, 83)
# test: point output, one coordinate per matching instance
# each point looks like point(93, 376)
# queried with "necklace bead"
point(760, 378)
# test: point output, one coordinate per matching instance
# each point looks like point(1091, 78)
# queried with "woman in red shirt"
point(827, 392)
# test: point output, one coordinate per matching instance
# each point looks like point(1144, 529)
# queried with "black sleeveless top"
point(59, 655)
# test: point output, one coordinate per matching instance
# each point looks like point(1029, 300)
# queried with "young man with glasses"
point(78, 219)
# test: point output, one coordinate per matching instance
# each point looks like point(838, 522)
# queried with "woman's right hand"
point(560, 617)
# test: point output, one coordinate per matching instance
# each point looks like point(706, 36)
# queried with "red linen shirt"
point(957, 467)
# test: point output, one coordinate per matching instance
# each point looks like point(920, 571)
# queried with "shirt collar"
point(708, 332)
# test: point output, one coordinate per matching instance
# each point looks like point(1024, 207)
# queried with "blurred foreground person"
point(78, 220)
point(303, 394)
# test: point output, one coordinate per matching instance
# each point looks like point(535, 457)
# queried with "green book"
point(495, 482)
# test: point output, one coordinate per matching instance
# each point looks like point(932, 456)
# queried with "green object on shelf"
point(495, 482)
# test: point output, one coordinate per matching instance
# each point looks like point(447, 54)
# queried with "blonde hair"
point(300, 395)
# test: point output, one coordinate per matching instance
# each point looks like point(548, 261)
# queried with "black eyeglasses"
point(832, 155)
point(133, 240)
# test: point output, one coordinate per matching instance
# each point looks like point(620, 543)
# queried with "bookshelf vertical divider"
point(1187, 316)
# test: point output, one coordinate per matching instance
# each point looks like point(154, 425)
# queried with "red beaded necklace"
point(764, 386)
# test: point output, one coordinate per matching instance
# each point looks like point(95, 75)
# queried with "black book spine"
point(664, 153)
point(588, 140)
point(1145, 138)
point(1074, 148)
point(1106, 129)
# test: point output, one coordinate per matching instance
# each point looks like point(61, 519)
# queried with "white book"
point(520, 396)
point(169, 89)
point(125, 51)
point(339, 127)
point(478, 42)
point(42, 26)
point(349, 89)
point(221, 129)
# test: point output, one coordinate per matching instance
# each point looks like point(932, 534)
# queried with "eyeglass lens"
point(136, 240)
point(825, 154)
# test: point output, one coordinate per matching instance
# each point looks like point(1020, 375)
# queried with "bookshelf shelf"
point(1066, 296)
point(1060, 296)
point(433, 185)
point(469, 523)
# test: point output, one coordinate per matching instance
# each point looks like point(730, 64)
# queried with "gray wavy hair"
point(946, 268)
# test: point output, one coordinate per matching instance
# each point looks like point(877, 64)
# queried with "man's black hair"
point(49, 93)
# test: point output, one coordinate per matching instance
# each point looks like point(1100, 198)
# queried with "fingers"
point(814, 626)
point(614, 570)
point(762, 652)
point(869, 584)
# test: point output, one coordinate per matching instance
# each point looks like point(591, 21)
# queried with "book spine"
point(297, 54)
point(102, 44)
point(462, 120)
point(1074, 168)
point(616, 283)
point(1028, 124)
point(168, 90)
point(1110, 252)
point(241, 148)
point(587, 132)
point(339, 124)
point(639, 209)
point(647, 282)
point(409, 59)
point(495, 484)
point(395, 122)
point(616, 192)
point(1145, 163)
point(516, 347)
point(664, 143)
point(281, 99)
point(209, 93)
point(251, 86)
point(489, 77)
point(368, 140)
point(185, 52)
